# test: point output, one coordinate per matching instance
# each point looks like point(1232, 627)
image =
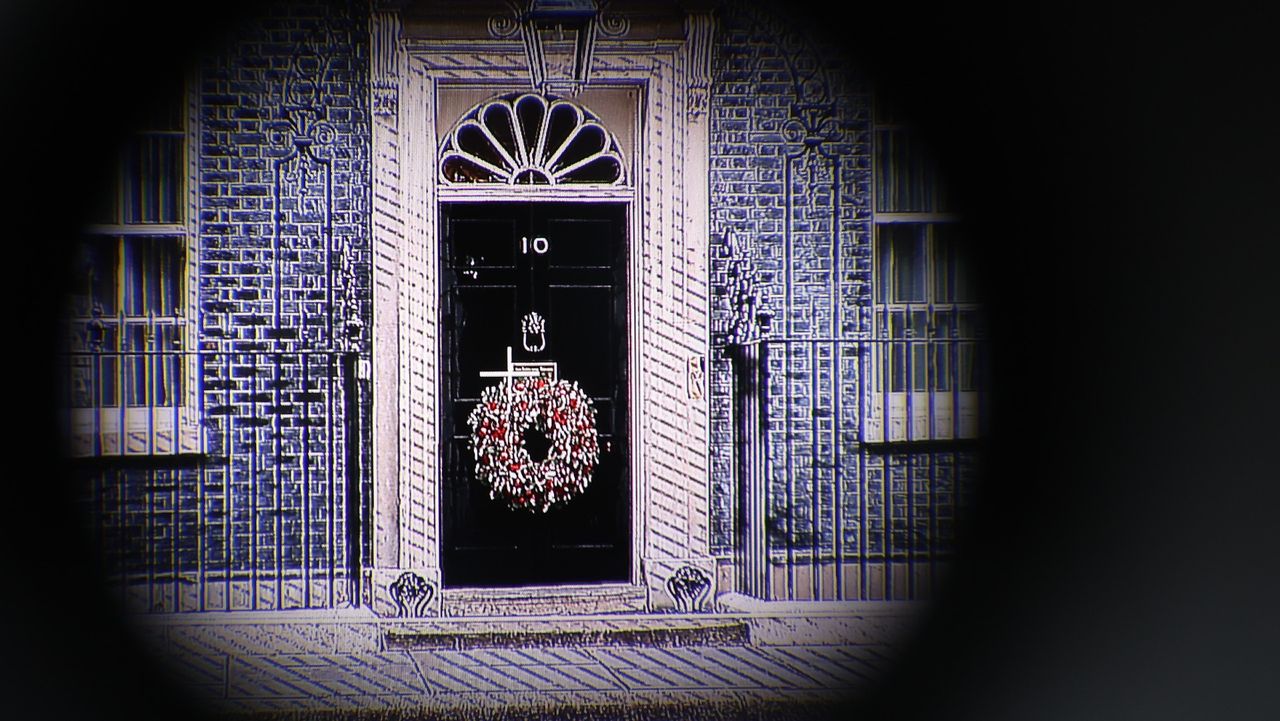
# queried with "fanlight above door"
point(530, 139)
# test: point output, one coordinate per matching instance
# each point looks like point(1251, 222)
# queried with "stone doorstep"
point(542, 601)
point(498, 633)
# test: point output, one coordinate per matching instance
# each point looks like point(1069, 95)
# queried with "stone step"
point(542, 601)
point(617, 631)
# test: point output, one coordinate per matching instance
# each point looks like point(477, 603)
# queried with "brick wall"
point(261, 520)
point(264, 518)
point(790, 178)
point(791, 182)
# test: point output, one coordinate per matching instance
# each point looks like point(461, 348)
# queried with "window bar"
point(882, 364)
point(953, 356)
point(930, 372)
point(174, 434)
point(122, 397)
point(909, 386)
point(96, 403)
point(173, 360)
point(909, 375)
point(149, 375)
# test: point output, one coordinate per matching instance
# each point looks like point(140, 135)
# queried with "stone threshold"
point(506, 633)
point(542, 600)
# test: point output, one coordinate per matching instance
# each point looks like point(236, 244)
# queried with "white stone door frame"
point(668, 292)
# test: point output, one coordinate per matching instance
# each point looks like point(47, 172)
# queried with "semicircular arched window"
point(530, 139)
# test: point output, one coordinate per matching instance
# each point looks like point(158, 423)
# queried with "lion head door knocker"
point(533, 329)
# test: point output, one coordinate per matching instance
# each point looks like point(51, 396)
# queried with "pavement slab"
point(261, 669)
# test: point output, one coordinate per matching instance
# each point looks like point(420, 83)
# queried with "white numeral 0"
point(540, 245)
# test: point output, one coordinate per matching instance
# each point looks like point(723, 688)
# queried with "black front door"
point(565, 262)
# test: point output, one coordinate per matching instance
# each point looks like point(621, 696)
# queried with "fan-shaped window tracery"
point(530, 139)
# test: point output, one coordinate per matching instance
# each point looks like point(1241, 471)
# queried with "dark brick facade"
point(791, 176)
point(275, 513)
point(264, 518)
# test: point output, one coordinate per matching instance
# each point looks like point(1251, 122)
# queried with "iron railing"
point(263, 511)
point(847, 487)
point(267, 513)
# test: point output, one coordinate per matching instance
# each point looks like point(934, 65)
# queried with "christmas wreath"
point(559, 409)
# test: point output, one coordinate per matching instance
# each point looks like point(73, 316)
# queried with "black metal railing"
point(848, 486)
point(261, 510)
point(127, 361)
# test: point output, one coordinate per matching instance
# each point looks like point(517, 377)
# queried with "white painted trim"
point(917, 218)
point(667, 292)
point(533, 193)
point(149, 430)
point(136, 229)
point(141, 431)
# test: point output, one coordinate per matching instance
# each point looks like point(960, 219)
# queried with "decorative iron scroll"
point(530, 139)
point(411, 593)
point(612, 25)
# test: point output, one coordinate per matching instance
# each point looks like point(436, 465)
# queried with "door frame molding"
point(667, 287)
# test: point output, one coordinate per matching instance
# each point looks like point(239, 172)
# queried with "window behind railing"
point(130, 321)
point(928, 350)
point(129, 324)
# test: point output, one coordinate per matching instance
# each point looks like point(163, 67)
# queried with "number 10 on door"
point(540, 245)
